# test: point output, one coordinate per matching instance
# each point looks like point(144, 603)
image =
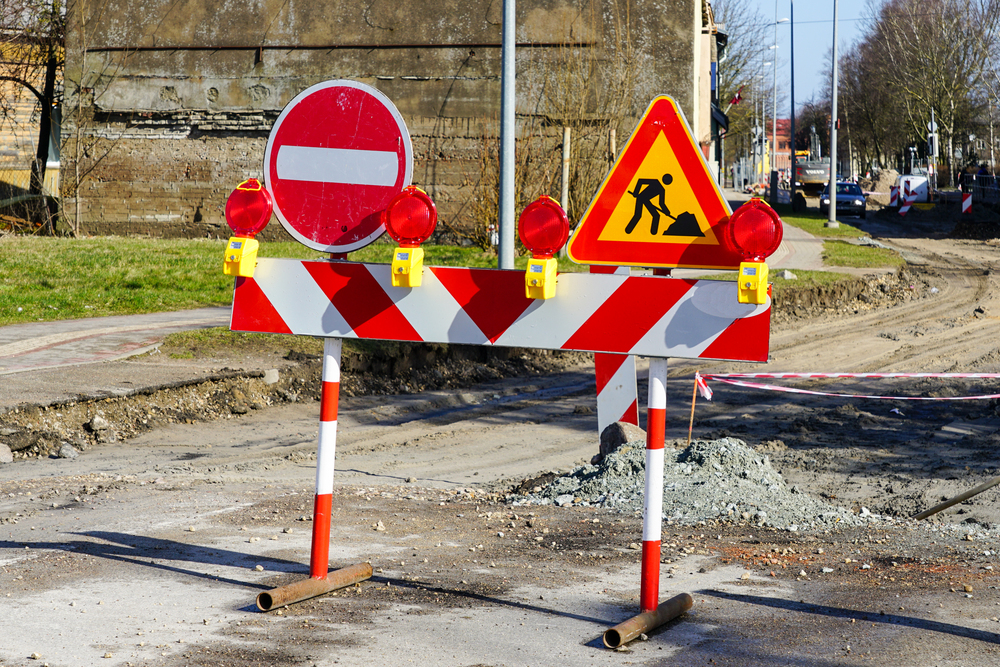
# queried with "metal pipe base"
point(310, 588)
point(625, 632)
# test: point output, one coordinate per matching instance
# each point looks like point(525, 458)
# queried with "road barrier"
point(911, 198)
point(742, 380)
point(339, 210)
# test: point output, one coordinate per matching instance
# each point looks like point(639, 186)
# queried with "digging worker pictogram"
point(646, 191)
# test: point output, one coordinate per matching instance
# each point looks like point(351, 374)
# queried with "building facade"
point(169, 104)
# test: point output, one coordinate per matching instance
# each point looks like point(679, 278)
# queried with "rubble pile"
point(721, 481)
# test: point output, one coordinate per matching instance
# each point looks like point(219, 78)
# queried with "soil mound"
point(879, 186)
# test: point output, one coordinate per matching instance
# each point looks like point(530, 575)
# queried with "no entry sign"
point(337, 155)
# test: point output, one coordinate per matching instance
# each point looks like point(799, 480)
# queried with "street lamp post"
point(791, 14)
point(774, 115)
point(832, 188)
point(760, 123)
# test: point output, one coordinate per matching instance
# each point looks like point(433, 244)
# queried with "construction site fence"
point(984, 188)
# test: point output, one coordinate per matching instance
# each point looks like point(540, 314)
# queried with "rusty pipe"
point(625, 632)
point(310, 588)
point(957, 499)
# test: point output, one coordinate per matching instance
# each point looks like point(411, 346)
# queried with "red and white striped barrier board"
point(741, 380)
point(645, 315)
point(894, 195)
point(617, 394)
point(616, 390)
point(910, 200)
point(966, 202)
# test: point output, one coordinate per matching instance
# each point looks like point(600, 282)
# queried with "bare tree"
point(740, 73)
point(32, 39)
point(926, 55)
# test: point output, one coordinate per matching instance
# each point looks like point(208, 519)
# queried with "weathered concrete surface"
point(172, 103)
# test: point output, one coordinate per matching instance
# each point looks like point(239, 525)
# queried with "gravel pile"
point(722, 480)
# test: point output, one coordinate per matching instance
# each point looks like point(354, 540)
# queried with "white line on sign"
point(337, 165)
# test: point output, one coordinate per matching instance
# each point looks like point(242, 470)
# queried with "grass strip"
point(44, 279)
point(842, 253)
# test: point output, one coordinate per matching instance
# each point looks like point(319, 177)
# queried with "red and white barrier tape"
point(740, 380)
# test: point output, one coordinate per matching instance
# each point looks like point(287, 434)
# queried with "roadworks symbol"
point(646, 191)
point(659, 206)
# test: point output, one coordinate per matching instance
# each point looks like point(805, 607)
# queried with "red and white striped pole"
point(321, 580)
point(319, 561)
point(966, 202)
point(652, 513)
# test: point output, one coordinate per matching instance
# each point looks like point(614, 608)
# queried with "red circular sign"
point(337, 155)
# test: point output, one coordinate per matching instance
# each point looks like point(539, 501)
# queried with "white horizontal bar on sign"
point(337, 165)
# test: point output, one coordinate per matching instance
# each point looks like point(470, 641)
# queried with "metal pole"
point(792, 48)
point(507, 137)
point(774, 114)
point(564, 195)
point(832, 220)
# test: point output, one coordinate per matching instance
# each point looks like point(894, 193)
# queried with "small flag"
point(738, 97)
point(703, 388)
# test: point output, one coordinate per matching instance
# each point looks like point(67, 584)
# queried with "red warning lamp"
point(410, 218)
point(543, 227)
point(754, 231)
point(248, 209)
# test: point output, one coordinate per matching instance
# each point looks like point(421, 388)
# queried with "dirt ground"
point(149, 547)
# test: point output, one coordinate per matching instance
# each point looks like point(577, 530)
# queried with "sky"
point(813, 40)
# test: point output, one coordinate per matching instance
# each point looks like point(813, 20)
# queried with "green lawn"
point(56, 278)
point(45, 278)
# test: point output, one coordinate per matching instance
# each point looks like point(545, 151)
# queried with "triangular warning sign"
point(659, 205)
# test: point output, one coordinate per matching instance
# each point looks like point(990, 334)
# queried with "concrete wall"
point(169, 103)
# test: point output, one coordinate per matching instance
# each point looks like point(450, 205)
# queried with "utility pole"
point(832, 221)
point(791, 16)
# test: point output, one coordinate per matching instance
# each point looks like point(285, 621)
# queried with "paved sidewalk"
point(51, 362)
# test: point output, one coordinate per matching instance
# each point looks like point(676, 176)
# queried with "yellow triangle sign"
point(659, 205)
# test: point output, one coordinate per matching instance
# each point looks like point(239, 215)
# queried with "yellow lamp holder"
point(540, 278)
point(752, 282)
point(241, 256)
point(407, 267)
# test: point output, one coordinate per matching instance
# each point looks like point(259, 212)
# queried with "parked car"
point(850, 200)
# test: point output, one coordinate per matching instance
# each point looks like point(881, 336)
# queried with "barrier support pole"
point(652, 614)
point(321, 579)
point(652, 514)
point(325, 455)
